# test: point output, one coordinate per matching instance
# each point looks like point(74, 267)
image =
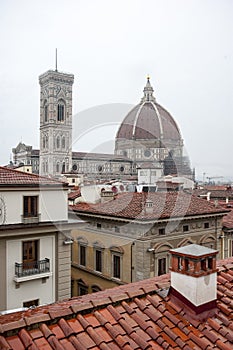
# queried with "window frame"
point(30, 206)
point(116, 265)
point(98, 260)
point(82, 255)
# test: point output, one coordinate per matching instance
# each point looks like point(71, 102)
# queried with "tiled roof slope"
point(133, 316)
point(165, 205)
point(74, 194)
point(13, 177)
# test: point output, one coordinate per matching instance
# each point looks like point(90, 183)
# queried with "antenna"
point(56, 61)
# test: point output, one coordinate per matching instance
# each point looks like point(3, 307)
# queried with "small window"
point(206, 225)
point(116, 266)
point(95, 289)
point(117, 229)
point(99, 226)
point(98, 260)
point(100, 168)
point(82, 288)
point(82, 255)
point(161, 266)
point(185, 228)
point(74, 167)
point(30, 206)
point(57, 168)
point(31, 303)
point(73, 181)
point(161, 231)
point(122, 169)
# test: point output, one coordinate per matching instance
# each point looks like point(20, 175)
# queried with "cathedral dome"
point(149, 121)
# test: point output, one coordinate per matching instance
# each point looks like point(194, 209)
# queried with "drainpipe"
point(131, 258)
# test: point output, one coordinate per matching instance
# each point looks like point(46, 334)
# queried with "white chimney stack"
point(194, 280)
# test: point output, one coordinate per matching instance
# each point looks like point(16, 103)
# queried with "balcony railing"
point(32, 268)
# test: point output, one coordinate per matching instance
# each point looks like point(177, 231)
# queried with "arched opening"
point(61, 111)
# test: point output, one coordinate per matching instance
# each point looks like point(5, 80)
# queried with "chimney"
point(149, 206)
point(107, 196)
point(194, 280)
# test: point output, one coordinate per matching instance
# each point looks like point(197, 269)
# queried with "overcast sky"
point(110, 47)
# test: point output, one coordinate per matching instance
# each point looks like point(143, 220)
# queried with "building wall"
point(52, 204)
point(145, 248)
point(3, 274)
point(109, 245)
point(63, 262)
point(44, 290)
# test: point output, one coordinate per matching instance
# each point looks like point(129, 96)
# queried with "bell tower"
point(55, 122)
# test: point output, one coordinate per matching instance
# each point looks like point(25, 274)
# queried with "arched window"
point(61, 111)
point(45, 111)
point(43, 142)
point(58, 142)
point(57, 167)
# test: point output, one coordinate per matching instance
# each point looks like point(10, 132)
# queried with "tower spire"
point(148, 92)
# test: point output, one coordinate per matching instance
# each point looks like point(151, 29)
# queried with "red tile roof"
point(133, 316)
point(11, 177)
point(228, 220)
point(165, 205)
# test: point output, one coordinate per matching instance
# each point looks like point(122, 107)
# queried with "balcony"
point(30, 219)
point(32, 270)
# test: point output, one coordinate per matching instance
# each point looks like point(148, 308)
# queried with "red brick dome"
point(149, 120)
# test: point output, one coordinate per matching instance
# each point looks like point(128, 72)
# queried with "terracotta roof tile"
point(165, 205)
point(142, 321)
point(10, 177)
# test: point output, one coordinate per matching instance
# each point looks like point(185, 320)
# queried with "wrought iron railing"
point(32, 268)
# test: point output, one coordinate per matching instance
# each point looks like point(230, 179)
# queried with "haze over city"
point(110, 47)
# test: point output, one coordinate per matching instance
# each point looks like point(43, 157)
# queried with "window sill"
point(32, 277)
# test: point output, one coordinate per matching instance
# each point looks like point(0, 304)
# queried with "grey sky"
point(110, 47)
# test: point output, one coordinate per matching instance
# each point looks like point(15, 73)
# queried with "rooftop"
point(165, 205)
point(134, 316)
point(11, 177)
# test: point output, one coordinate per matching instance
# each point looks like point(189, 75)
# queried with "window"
point(82, 255)
point(60, 111)
point(82, 288)
point(98, 260)
point(57, 168)
point(45, 113)
point(99, 226)
point(117, 229)
point(116, 266)
point(63, 142)
point(30, 250)
point(95, 289)
point(161, 231)
point(206, 225)
point(30, 206)
point(185, 228)
point(161, 266)
point(31, 303)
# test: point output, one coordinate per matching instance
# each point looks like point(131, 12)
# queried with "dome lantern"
point(148, 92)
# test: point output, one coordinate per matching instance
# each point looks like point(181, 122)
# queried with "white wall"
point(31, 289)
point(52, 204)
